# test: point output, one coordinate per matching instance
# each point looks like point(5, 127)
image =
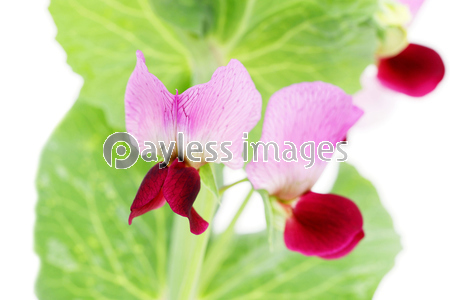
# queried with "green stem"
point(224, 188)
point(218, 251)
point(230, 227)
point(187, 251)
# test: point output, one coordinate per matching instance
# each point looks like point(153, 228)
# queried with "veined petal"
point(149, 195)
point(180, 189)
point(416, 71)
point(300, 113)
point(328, 226)
point(150, 112)
point(221, 110)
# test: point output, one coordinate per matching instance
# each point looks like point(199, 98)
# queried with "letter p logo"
point(120, 148)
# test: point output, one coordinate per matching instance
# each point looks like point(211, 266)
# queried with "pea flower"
point(401, 67)
point(407, 68)
point(324, 225)
point(219, 110)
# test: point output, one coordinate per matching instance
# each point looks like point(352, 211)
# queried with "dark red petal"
point(347, 249)
point(180, 190)
point(416, 71)
point(328, 226)
point(149, 195)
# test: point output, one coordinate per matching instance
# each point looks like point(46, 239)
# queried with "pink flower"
point(219, 110)
point(324, 225)
point(416, 70)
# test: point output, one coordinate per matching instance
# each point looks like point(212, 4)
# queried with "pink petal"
point(221, 110)
point(150, 113)
point(149, 195)
point(328, 226)
point(180, 190)
point(414, 6)
point(300, 113)
point(375, 99)
point(416, 71)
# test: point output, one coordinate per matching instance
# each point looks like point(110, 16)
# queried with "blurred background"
point(405, 155)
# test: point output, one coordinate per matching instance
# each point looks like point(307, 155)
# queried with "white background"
point(405, 155)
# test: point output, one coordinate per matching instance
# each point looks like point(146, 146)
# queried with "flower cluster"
point(222, 109)
point(324, 225)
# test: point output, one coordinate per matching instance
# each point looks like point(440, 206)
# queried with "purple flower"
point(328, 226)
point(219, 110)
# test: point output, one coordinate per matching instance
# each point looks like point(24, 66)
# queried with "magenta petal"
point(149, 195)
point(197, 224)
point(180, 190)
point(328, 226)
point(347, 249)
point(416, 71)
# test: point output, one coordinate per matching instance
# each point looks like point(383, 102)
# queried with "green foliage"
point(279, 42)
point(188, 15)
point(87, 248)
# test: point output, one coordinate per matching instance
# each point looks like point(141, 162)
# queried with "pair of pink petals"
point(177, 184)
point(416, 71)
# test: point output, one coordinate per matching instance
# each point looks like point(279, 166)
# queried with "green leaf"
point(208, 180)
point(189, 15)
point(251, 271)
point(87, 248)
point(269, 216)
point(286, 42)
point(279, 42)
point(101, 39)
